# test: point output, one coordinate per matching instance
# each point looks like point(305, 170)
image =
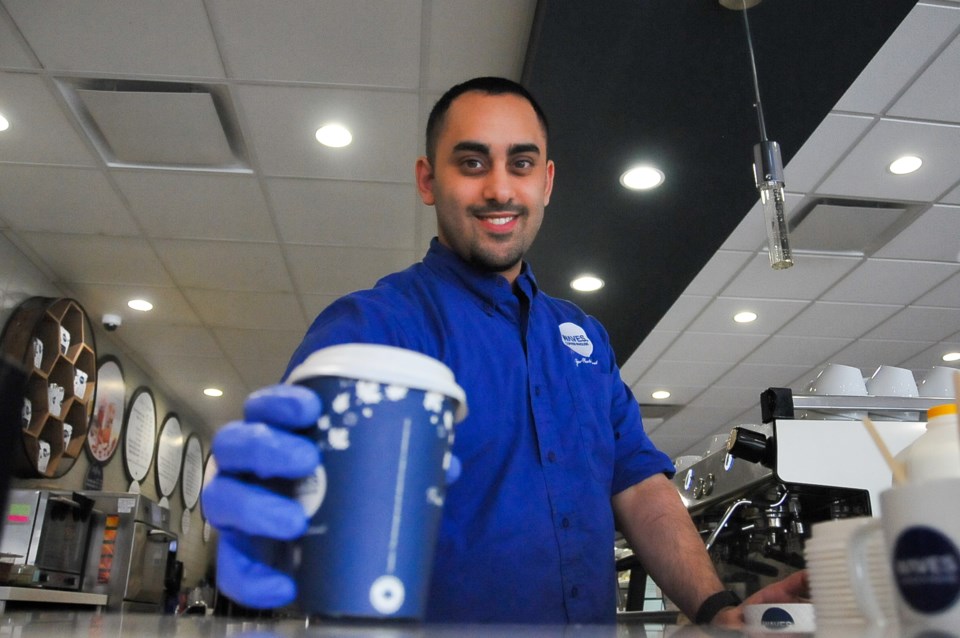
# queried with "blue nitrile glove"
point(255, 521)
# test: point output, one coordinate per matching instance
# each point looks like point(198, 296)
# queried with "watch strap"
point(713, 604)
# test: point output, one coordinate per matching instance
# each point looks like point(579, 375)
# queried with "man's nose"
point(498, 186)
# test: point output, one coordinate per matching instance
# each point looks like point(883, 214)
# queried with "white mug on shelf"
point(938, 382)
point(890, 381)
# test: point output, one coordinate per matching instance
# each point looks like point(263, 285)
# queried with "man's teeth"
point(499, 221)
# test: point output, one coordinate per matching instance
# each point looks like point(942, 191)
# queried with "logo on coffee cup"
point(776, 618)
point(926, 566)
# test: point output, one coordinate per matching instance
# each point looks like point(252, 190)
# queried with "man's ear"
point(424, 174)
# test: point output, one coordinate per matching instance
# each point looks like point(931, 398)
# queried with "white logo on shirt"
point(574, 337)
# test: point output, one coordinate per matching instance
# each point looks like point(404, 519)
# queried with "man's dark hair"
point(488, 85)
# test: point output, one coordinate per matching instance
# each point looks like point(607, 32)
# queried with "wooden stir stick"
point(896, 467)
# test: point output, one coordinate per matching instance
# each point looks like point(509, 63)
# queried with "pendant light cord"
point(756, 84)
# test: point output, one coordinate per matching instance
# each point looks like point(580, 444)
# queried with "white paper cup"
point(780, 618)
point(385, 435)
point(837, 379)
point(938, 383)
point(921, 524)
point(889, 381)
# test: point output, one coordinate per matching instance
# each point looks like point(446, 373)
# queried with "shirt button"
point(574, 591)
point(551, 457)
point(565, 522)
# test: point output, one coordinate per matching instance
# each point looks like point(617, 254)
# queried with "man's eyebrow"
point(529, 147)
point(471, 147)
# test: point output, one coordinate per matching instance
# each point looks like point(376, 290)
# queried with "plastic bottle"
point(936, 454)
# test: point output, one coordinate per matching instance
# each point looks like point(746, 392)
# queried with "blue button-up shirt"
point(527, 531)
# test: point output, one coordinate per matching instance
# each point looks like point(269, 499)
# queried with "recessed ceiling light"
point(213, 392)
point(587, 283)
point(745, 317)
point(140, 304)
point(952, 356)
point(905, 164)
point(334, 135)
point(4, 123)
point(661, 394)
point(641, 178)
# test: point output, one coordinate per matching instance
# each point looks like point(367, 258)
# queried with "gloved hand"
point(254, 520)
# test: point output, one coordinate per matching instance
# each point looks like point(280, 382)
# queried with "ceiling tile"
point(796, 351)
point(869, 354)
point(39, 131)
point(810, 275)
point(283, 122)
point(679, 394)
point(130, 37)
point(946, 295)
point(170, 307)
point(667, 374)
point(251, 310)
point(96, 259)
point(727, 397)
point(197, 206)
point(953, 197)
point(333, 270)
point(712, 347)
point(358, 42)
point(262, 373)
point(673, 445)
point(933, 356)
point(717, 272)
point(643, 357)
point(29, 201)
point(828, 143)
point(13, 52)
point(918, 324)
point(933, 96)
point(771, 315)
point(863, 173)
point(761, 376)
point(158, 340)
point(344, 213)
point(225, 265)
point(827, 318)
point(469, 39)
point(933, 236)
point(887, 281)
point(683, 311)
point(918, 37)
point(257, 345)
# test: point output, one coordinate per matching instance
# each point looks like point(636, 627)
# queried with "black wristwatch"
point(713, 604)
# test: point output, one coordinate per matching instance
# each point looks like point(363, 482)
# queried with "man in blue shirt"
point(553, 453)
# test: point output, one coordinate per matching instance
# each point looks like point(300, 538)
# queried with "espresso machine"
point(812, 459)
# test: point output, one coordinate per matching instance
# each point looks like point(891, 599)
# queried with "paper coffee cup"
point(385, 437)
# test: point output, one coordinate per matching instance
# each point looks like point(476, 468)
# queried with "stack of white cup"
point(833, 586)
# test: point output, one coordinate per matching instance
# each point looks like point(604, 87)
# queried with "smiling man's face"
point(490, 180)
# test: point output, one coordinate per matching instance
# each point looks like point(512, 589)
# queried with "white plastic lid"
point(384, 364)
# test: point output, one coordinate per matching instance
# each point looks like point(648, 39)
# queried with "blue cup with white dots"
point(384, 436)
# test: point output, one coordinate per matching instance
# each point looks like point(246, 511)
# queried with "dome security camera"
point(111, 322)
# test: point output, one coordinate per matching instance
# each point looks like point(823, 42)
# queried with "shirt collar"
point(489, 287)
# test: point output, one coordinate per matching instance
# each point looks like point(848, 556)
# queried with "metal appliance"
point(131, 541)
point(755, 501)
point(45, 536)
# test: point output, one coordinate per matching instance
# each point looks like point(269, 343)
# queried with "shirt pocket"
point(591, 399)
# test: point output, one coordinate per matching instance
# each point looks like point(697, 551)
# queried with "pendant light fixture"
point(767, 165)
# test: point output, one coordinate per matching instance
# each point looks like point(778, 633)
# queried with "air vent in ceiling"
point(846, 226)
point(167, 125)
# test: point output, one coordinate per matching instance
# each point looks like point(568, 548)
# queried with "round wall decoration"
point(192, 481)
point(106, 425)
point(169, 455)
point(140, 434)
